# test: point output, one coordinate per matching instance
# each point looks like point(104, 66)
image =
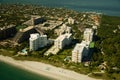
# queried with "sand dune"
point(46, 69)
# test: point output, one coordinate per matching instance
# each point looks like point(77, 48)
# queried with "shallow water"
point(9, 72)
point(109, 7)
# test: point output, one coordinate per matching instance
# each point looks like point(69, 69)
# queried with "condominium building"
point(81, 50)
point(37, 41)
point(63, 29)
point(88, 34)
point(71, 21)
point(63, 40)
point(7, 31)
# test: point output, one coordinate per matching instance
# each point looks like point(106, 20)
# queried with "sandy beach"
point(45, 69)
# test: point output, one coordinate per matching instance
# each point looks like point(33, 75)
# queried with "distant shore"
point(45, 69)
point(111, 8)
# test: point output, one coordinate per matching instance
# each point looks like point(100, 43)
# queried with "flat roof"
point(43, 35)
point(34, 36)
point(62, 37)
point(79, 47)
point(87, 30)
point(26, 29)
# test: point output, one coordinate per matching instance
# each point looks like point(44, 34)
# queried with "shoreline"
point(74, 8)
point(46, 70)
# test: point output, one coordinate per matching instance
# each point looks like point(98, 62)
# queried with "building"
point(39, 20)
point(37, 41)
point(7, 32)
point(63, 29)
point(80, 51)
point(88, 34)
point(59, 43)
point(34, 40)
point(71, 21)
point(23, 34)
point(43, 40)
point(35, 20)
point(62, 41)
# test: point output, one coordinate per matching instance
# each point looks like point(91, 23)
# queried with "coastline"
point(111, 8)
point(47, 70)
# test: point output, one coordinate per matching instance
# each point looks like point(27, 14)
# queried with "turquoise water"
point(9, 72)
point(109, 7)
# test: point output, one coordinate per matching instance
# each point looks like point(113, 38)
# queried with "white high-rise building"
point(37, 41)
point(77, 53)
point(81, 50)
point(43, 40)
point(34, 40)
point(63, 40)
point(88, 34)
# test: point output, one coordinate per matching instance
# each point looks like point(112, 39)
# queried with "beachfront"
point(45, 69)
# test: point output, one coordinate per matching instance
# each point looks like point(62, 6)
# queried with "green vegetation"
point(99, 76)
point(7, 52)
point(51, 34)
point(56, 60)
point(77, 34)
point(11, 15)
point(20, 27)
point(107, 46)
point(92, 44)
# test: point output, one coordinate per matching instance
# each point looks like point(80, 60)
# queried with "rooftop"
point(62, 37)
point(88, 30)
point(43, 35)
point(34, 36)
point(26, 29)
point(86, 43)
point(78, 48)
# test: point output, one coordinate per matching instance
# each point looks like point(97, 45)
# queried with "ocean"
point(108, 7)
point(9, 72)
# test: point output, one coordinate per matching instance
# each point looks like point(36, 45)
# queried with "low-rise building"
point(7, 32)
point(63, 29)
point(35, 20)
point(71, 20)
point(37, 41)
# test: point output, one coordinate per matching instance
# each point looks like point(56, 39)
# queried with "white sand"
point(46, 69)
